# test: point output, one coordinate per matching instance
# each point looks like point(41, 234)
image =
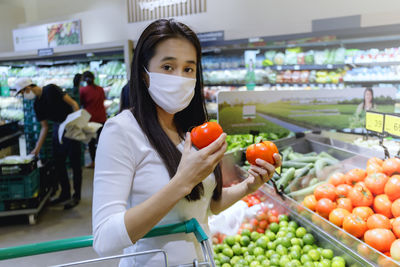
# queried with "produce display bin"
point(18, 169)
point(26, 195)
point(19, 186)
point(355, 251)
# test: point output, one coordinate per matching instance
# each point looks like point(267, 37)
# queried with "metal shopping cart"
point(190, 226)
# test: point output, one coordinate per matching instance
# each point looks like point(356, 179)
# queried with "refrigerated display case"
point(349, 157)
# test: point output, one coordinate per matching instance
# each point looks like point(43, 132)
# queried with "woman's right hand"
point(196, 165)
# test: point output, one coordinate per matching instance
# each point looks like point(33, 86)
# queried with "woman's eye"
point(167, 68)
point(189, 70)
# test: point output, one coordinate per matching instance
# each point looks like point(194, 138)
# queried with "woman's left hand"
point(261, 173)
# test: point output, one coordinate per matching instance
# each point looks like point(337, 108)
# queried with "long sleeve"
point(114, 172)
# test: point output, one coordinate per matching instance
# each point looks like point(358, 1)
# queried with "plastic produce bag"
point(77, 127)
point(228, 221)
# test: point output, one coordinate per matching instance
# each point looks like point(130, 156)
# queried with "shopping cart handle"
point(46, 247)
point(191, 226)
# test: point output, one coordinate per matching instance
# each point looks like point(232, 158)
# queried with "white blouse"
point(128, 171)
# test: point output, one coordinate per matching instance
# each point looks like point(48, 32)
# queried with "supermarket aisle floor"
point(53, 223)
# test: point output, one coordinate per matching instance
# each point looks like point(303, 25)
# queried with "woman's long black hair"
point(144, 108)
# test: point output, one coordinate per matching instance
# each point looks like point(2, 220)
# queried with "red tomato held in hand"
point(263, 150)
point(205, 134)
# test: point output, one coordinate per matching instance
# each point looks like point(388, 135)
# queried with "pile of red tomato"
point(260, 222)
point(365, 203)
point(263, 218)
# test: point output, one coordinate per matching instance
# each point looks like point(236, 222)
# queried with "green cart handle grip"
point(190, 226)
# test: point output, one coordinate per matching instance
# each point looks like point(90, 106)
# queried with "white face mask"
point(29, 96)
point(170, 92)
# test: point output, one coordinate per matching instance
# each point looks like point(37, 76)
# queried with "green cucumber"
point(313, 181)
point(309, 159)
point(305, 191)
point(294, 156)
point(286, 152)
point(321, 163)
point(293, 164)
point(298, 175)
point(286, 178)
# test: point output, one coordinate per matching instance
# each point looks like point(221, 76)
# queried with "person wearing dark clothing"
point(124, 98)
point(52, 104)
point(92, 99)
point(77, 85)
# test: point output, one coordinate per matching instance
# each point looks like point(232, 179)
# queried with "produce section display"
point(296, 68)
point(365, 203)
point(11, 109)
point(269, 237)
point(362, 202)
point(110, 75)
point(373, 143)
point(241, 141)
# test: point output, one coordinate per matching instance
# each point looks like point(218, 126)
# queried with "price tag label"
point(374, 122)
point(329, 66)
point(278, 67)
point(392, 125)
point(278, 170)
point(296, 67)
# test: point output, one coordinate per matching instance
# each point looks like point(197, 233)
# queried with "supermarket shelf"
point(308, 67)
point(288, 67)
point(372, 82)
point(371, 64)
point(244, 43)
point(62, 53)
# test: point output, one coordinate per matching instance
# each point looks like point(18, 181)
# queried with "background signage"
point(48, 35)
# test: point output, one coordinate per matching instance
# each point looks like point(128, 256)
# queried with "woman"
point(147, 172)
point(92, 99)
point(368, 103)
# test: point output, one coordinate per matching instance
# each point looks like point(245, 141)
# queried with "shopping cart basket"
point(190, 226)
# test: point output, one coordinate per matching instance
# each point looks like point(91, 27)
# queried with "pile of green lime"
point(282, 245)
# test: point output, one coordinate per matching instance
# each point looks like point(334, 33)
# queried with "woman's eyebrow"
point(174, 59)
point(168, 58)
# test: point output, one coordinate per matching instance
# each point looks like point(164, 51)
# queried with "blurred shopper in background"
point(52, 104)
point(92, 99)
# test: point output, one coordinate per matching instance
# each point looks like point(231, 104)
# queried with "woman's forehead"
point(176, 48)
